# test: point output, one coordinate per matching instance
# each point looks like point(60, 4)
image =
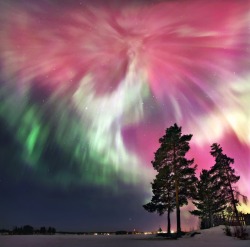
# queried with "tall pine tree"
point(171, 153)
point(225, 177)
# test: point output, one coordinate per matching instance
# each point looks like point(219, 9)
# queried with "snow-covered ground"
point(213, 237)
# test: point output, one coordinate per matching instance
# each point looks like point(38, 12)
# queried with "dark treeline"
point(213, 194)
point(29, 230)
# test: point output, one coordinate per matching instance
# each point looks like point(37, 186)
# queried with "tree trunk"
point(211, 223)
point(178, 215)
point(234, 206)
point(210, 215)
point(233, 200)
point(169, 221)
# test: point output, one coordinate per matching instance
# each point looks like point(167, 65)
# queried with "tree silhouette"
point(208, 199)
point(224, 175)
point(180, 173)
point(163, 198)
point(51, 230)
point(43, 230)
point(27, 229)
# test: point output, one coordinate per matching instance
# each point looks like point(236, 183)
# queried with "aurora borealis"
point(88, 87)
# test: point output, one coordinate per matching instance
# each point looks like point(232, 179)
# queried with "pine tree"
point(171, 153)
point(163, 198)
point(207, 200)
point(224, 175)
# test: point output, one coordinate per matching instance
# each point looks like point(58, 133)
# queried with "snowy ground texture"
point(211, 238)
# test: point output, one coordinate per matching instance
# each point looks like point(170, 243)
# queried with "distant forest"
point(29, 230)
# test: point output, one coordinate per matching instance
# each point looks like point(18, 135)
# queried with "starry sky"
point(88, 87)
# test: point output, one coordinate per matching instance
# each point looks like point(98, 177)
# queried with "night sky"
point(88, 87)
